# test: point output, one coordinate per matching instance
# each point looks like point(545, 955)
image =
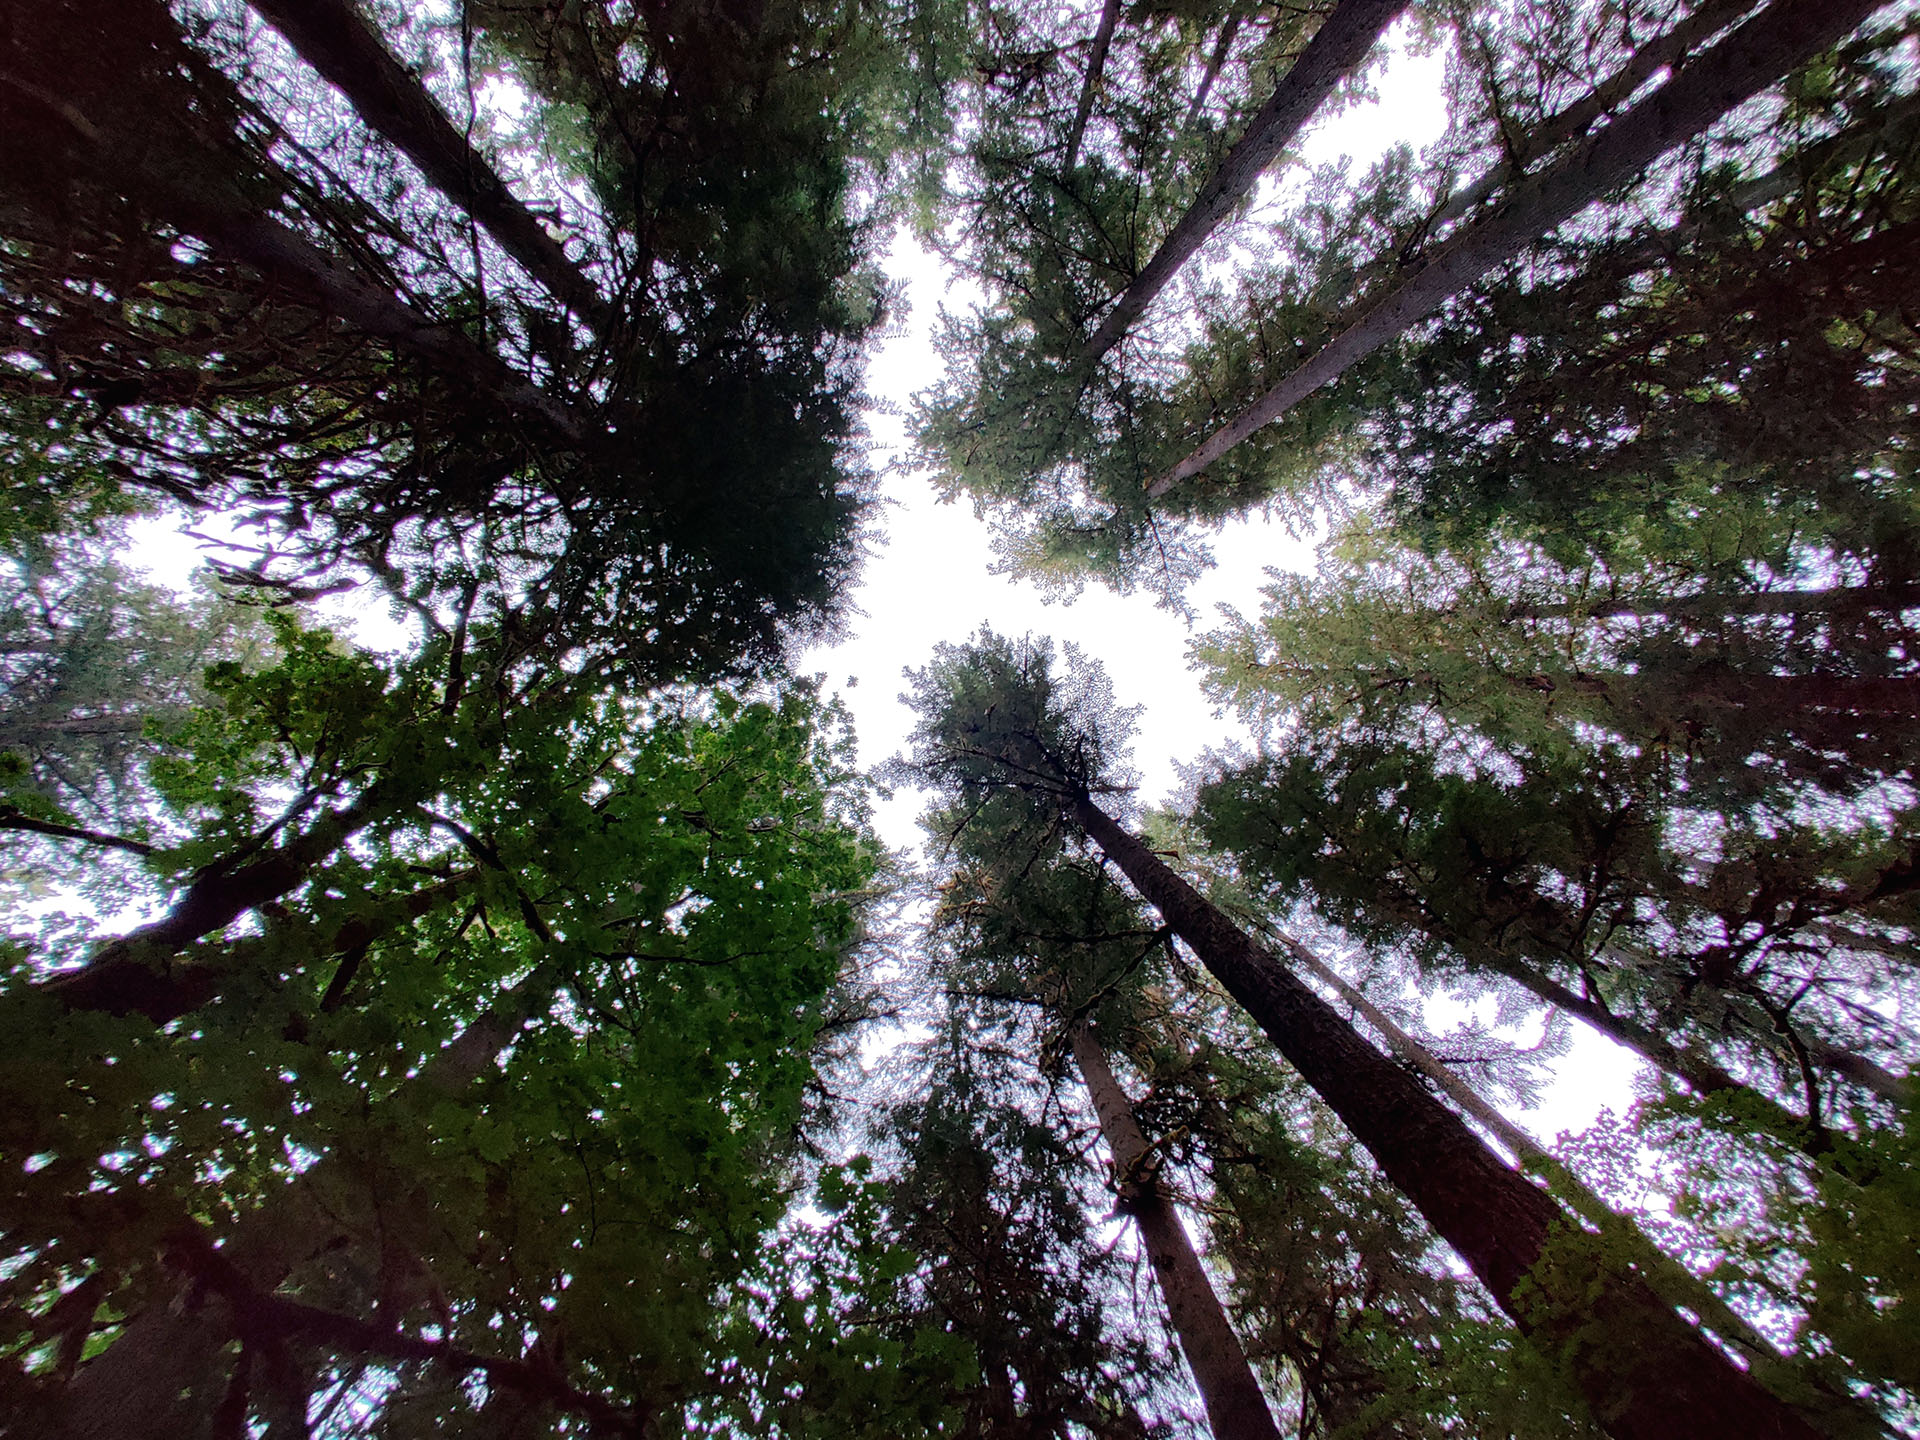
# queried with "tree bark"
point(1579, 117)
point(1212, 73)
point(1780, 38)
point(1826, 1402)
point(1236, 1410)
point(135, 973)
point(335, 39)
point(194, 188)
point(1645, 1372)
point(1096, 62)
point(1337, 48)
point(150, 1380)
point(1712, 605)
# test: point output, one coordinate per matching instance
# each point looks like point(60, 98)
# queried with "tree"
point(558, 1113)
point(1067, 478)
point(992, 1203)
point(1646, 860)
point(224, 319)
point(1758, 54)
point(993, 724)
point(1062, 937)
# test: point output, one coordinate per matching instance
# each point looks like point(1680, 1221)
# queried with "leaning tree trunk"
point(1236, 1410)
point(1823, 1399)
point(161, 1367)
point(1775, 42)
point(1645, 1373)
point(140, 972)
point(199, 186)
point(1337, 47)
point(1581, 116)
point(335, 39)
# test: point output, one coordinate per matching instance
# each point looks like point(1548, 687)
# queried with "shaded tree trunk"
point(1215, 62)
point(1236, 1410)
point(1096, 63)
point(1644, 1372)
point(1826, 1401)
point(136, 973)
point(1712, 605)
point(199, 189)
point(335, 39)
point(1768, 47)
point(1337, 48)
point(1579, 117)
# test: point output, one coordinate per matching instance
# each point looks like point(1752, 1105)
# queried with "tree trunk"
point(1236, 1410)
point(1825, 1401)
point(1713, 605)
point(1337, 48)
point(1096, 62)
point(1775, 42)
point(1644, 1372)
point(1579, 117)
point(157, 1374)
point(336, 40)
point(1212, 73)
point(135, 973)
point(195, 188)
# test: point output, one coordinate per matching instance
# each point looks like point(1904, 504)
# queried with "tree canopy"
point(526, 1030)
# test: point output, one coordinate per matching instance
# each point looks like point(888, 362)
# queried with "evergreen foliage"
point(524, 1033)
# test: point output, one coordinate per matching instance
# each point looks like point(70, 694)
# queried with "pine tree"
point(995, 727)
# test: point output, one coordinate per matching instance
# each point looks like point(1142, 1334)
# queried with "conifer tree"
point(995, 727)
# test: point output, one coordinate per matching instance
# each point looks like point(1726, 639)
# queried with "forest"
point(526, 1029)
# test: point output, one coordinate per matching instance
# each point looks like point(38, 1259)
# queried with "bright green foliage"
point(651, 904)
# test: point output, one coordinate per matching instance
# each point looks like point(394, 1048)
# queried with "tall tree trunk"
point(158, 1372)
point(1236, 1410)
point(1713, 605)
point(1824, 1399)
point(335, 39)
point(1337, 48)
point(1096, 63)
point(1768, 47)
point(1579, 117)
point(1644, 1371)
point(1222, 48)
point(196, 188)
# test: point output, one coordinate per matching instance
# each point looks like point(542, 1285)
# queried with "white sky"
point(929, 581)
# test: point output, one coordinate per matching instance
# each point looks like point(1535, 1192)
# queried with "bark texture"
point(1236, 1410)
point(1826, 1402)
point(138, 974)
point(1776, 41)
point(1096, 63)
point(1645, 1373)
